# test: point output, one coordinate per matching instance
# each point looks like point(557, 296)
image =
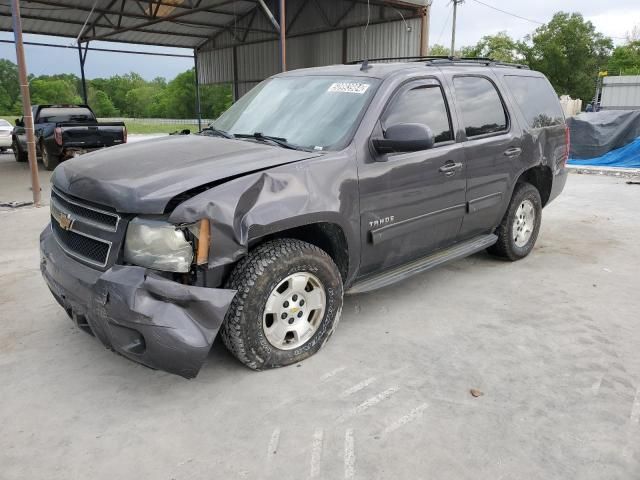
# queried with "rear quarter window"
point(536, 99)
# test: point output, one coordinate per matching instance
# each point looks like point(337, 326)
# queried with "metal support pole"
point(425, 21)
point(453, 28)
point(83, 58)
point(26, 101)
point(283, 35)
point(268, 13)
point(198, 112)
point(236, 86)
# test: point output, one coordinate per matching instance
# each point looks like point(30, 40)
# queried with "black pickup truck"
point(316, 182)
point(65, 131)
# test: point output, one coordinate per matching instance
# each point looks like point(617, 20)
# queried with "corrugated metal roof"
point(182, 23)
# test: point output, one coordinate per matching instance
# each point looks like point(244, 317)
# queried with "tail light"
point(567, 145)
point(57, 135)
point(124, 134)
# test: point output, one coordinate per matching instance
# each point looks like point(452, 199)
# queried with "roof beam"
point(269, 15)
point(26, 5)
point(77, 22)
point(233, 24)
point(155, 21)
point(93, 24)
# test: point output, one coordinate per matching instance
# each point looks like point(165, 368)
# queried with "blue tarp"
point(626, 157)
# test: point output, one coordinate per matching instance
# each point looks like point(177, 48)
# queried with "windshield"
point(4, 123)
point(313, 112)
point(60, 115)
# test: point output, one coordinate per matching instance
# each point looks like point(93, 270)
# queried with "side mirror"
point(405, 137)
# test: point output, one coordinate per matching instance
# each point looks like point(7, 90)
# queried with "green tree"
point(181, 96)
point(140, 101)
point(569, 51)
point(101, 104)
point(625, 59)
point(215, 99)
point(439, 50)
point(499, 47)
point(9, 87)
point(61, 91)
point(117, 87)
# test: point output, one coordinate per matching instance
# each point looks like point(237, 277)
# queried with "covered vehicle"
point(5, 135)
point(317, 182)
point(65, 131)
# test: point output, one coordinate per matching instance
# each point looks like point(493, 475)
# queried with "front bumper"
point(151, 320)
point(5, 141)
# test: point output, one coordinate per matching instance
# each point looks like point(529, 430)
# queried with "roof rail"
point(446, 60)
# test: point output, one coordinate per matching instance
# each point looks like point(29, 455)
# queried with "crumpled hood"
point(144, 176)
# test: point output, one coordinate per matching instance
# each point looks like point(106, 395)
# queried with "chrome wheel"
point(294, 311)
point(524, 223)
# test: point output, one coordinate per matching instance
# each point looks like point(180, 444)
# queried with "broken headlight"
point(158, 245)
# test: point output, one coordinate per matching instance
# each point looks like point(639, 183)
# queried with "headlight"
point(158, 245)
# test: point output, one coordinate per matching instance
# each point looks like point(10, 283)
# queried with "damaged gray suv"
point(315, 183)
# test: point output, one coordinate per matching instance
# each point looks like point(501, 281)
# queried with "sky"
point(614, 18)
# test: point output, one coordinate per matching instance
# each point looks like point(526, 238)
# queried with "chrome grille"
point(86, 248)
point(85, 231)
point(96, 216)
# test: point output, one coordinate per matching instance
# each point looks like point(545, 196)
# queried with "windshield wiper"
point(216, 131)
point(282, 142)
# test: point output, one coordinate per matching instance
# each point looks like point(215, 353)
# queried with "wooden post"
point(425, 21)
point(26, 101)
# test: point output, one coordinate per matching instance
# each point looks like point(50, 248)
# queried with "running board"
point(423, 264)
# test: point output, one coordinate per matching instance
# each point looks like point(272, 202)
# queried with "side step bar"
point(423, 264)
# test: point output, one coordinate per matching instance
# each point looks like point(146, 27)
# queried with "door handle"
point(450, 168)
point(513, 152)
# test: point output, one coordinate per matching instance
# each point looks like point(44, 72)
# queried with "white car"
point(5, 135)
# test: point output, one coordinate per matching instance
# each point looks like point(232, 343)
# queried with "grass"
point(138, 127)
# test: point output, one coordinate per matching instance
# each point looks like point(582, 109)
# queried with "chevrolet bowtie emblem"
point(64, 219)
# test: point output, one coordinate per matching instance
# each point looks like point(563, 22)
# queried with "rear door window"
point(423, 104)
point(482, 108)
point(536, 99)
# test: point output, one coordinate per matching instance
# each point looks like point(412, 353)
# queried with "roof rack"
point(446, 60)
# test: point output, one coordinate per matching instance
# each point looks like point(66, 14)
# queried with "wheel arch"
point(326, 234)
point(540, 177)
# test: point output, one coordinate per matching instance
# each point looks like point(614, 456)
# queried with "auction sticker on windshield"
point(349, 87)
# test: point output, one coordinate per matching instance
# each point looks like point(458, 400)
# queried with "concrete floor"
point(551, 341)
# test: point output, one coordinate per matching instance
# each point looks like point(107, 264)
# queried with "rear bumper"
point(5, 141)
point(151, 320)
point(70, 152)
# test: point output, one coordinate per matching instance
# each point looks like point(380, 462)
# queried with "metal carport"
point(234, 41)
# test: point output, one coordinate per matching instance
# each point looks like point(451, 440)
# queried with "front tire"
point(18, 153)
point(288, 304)
point(518, 231)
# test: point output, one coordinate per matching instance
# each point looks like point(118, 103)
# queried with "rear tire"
point(49, 160)
point(269, 325)
point(518, 231)
point(18, 153)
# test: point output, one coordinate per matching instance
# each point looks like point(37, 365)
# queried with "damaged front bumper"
point(151, 320)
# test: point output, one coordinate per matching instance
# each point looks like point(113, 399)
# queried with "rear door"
point(412, 203)
point(491, 150)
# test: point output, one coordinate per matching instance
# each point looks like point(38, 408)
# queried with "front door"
point(412, 203)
